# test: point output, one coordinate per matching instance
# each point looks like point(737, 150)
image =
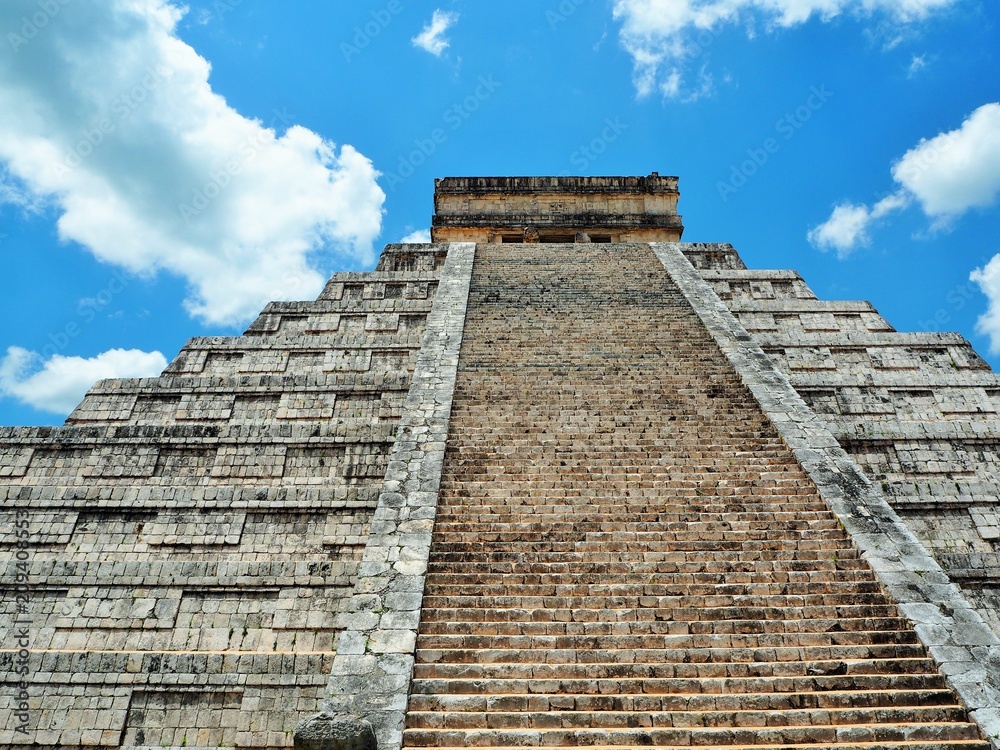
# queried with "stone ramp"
point(625, 552)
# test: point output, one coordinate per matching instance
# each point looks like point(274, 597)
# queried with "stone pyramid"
point(555, 479)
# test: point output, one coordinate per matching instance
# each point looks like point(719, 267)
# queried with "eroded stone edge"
point(966, 649)
point(371, 673)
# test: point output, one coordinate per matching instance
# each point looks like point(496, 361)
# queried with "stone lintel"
point(654, 183)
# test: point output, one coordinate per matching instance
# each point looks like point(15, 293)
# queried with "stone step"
point(713, 549)
point(541, 669)
point(670, 632)
point(658, 537)
point(626, 515)
point(481, 646)
point(682, 609)
point(970, 744)
point(694, 736)
point(524, 520)
point(796, 559)
point(566, 700)
point(609, 652)
point(625, 552)
point(661, 593)
point(620, 583)
point(543, 681)
point(741, 718)
point(645, 614)
point(697, 572)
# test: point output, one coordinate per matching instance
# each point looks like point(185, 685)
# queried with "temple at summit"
point(555, 479)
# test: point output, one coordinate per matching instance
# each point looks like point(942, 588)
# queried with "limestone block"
point(249, 461)
point(987, 521)
point(265, 324)
point(324, 323)
point(327, 732)
point(223, 363)
point(195, 528)
point(348, 360)
point(14, 460)
point(205, 407)
point(122, 461)
point(810, 358)
point(418, 290)
point(188, 361)
point(893, 358)
point(267, 360)
point(758, 321)
point(819, 321)
point(307, 405)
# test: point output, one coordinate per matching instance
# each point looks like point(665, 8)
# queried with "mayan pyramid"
point(555, 479)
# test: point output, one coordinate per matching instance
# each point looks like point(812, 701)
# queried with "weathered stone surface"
point(325, 732)
point(378, 659)
point(942, 616)
point(197, 542)
point(626, 553)
point(556, 209)
point(194, 538)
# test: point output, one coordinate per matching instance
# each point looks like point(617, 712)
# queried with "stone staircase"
point(625, 552)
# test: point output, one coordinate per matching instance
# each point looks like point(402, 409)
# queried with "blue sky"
point(165, 170)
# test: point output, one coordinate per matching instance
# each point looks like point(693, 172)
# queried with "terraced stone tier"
point(626, 554)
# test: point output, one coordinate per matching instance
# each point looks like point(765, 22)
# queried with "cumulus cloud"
point(662, 36)
point(849, 224)
point(432, 38)
point(947, 175)
point(955, 171)
point(108, 115)
point(988, 279)
point(420, 237)
point(918, 63)
point(60, 383)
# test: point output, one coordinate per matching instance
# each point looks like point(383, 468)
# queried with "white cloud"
point(432, 38)
point(662, 36)
point(988, 279)
point(846, 228)
point(849, 224)
point(421, 236)
point(918, 63)
point(955, 171)
point(59, 384)
point(108, 115)
point(947, 175)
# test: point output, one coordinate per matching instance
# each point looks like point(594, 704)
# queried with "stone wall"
point(193, 537)
point(554, 209)
point(196, 540)
point(918, 412)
